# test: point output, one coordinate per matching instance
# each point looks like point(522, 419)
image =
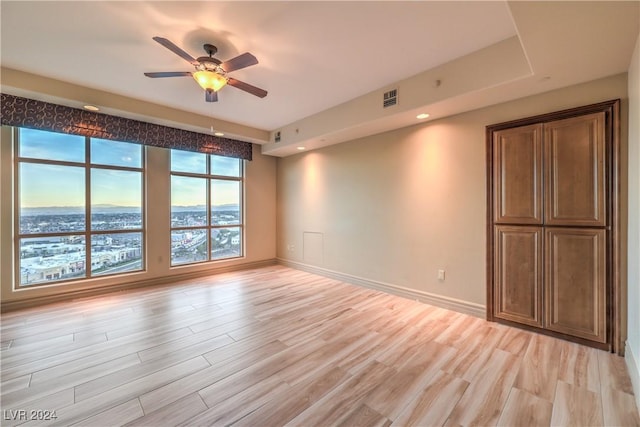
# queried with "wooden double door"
point(550, 220)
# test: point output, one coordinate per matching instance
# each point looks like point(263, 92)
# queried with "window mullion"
point(209, 213)
point(87, 208)
point(49, 162)
point(17, 243)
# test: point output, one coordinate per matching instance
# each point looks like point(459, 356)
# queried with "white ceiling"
point(313, 55)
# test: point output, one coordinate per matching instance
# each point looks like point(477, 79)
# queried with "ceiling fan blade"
point(210, 95)
point(247, 87)
point(168, 74)
point(240, 61)
point(175, 49)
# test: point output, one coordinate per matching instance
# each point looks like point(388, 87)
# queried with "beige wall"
point(260, 220)
point(393, 207)
point(633, 320)
point(396, 207)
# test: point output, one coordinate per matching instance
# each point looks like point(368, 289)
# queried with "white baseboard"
point(634, 372)
point(477, 310)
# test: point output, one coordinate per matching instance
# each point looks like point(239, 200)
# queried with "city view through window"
point(80, 207)
point(206, 214)
point(63, 179)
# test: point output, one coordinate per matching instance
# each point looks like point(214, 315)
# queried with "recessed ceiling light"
point(218, 134)
point(422, 116)
point(301, 148)
point(91, 108)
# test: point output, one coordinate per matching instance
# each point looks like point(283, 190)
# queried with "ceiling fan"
point(211, 73)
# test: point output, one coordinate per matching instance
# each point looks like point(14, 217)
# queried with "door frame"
point(616, 290)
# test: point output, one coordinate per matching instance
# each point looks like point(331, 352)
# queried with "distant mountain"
point(78, 210)
point(52, 210)
point(114, 209)
point(111, 209)
point(191, 208)
point(227, 207)
point(202, 208)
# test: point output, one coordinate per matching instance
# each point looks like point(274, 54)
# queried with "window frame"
point(209, 227)
point(88, 233)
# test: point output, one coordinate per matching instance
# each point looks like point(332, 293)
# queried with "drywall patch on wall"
point(313, 247)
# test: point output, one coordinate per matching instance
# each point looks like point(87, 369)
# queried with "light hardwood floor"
point(275, 346)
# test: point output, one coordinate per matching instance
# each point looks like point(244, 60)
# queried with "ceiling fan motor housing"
point(208, 63)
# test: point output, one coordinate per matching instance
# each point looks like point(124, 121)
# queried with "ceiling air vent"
point(390, 98)
point(276, 136)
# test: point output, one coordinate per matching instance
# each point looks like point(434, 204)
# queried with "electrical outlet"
point(441, 275)
point(291, 248)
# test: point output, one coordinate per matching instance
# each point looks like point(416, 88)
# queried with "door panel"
point(518, 175)
point(518, 258)
point(574, 157)
point(575, 282)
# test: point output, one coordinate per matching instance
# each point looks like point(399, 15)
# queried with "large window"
point(80, 207)
point(206, 207)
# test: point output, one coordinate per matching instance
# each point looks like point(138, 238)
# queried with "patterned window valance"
point(29, 113)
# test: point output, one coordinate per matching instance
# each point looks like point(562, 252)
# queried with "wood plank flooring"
point(276, 346)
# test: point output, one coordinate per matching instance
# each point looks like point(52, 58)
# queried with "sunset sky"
point(44, 185)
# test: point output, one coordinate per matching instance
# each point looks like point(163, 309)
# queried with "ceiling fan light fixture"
point(211, 73)
point(208, 80)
